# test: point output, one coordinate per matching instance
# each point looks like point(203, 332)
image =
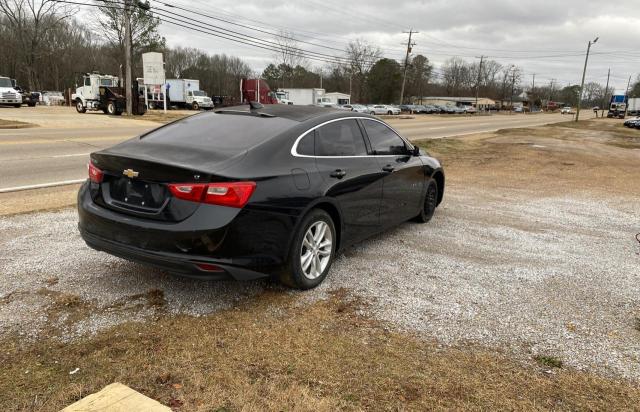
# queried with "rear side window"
point(384, 141)
point(306, 145)
point(341, 138)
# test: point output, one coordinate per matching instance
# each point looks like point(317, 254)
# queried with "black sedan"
point(256, 191)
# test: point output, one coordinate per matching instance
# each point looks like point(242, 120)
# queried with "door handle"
point(338, 173)
point(388, 168)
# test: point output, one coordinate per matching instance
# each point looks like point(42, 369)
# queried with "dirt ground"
point(276, 351)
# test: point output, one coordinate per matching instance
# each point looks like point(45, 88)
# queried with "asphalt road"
point(57, 151)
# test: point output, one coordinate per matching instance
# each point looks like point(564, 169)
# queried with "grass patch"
point(159, 116)
point(441, 146)
point(548, 361)
point(14, 124)
point(271, 353)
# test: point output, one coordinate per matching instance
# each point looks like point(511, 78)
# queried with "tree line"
point(46, 48)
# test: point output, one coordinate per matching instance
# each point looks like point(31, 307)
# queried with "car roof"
point(297, 113)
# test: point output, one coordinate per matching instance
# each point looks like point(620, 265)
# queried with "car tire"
point(372, 113)
point(389, 112)
point(429, 203)
point(301, 271)
point(80, 107)
point(111, 109)
point(195, 106)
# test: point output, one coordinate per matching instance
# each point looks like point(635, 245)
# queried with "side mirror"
point(415, 151)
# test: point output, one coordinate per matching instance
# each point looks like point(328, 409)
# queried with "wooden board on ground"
point(116, 398)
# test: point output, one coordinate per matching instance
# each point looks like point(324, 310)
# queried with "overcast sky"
point(548, 38)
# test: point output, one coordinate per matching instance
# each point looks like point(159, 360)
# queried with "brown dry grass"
point(588, 157)
point(319, 357)
point(14, 124)
point(28, 201)
point(159, 116)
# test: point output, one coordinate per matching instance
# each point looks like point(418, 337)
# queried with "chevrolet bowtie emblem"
point(130, 173)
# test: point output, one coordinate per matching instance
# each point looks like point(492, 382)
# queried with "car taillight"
point(95, 174)
point(232, 194)
point(188, 191)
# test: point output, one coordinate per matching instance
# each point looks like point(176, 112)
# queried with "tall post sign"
point(153, 71)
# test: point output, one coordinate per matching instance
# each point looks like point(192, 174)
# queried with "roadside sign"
point(153, 68)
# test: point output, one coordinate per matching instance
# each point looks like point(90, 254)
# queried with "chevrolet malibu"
point(254, 191)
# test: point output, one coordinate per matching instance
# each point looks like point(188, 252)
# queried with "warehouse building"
point(483, 102)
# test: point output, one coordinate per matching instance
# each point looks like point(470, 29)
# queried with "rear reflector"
point(95, 174)
point(232, 194)
point(208, 267)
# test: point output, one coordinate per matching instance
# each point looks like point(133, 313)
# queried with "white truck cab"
point(87, 96)
point(283, 97)
point(9, 95)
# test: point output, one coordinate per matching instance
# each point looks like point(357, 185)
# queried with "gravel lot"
point(554, 276)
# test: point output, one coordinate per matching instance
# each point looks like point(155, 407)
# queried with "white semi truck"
point(187, 93)
point(101, 92)
point(9, 95)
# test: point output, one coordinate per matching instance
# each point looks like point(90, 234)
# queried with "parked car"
point(360, 108)
point(407, 108)
point(567, 110)
point(633, 123)
point(469, 109)
point(422, 109)
point(383, 109)
point(52, 98)
point(430, 109)
point(278, 191)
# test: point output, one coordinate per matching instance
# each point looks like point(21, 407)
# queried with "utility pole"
point(626, 95)
point(513, 85)
point(406, 63)
point(533, 91)
point(478, 83)
point(127, 51)
point(584, 72)
point(606, 90)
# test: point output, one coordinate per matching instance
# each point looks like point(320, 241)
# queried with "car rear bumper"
point(244, 244)
point(172, 262)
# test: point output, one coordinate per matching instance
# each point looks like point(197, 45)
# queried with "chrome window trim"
point(294, 148)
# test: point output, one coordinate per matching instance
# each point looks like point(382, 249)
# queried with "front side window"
point(340, 138)
point(384, 141)
point(87, 81)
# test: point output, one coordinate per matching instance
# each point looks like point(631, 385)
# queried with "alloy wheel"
point(431, 200)
point(315, 252)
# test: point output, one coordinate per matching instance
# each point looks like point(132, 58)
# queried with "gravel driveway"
point(551, 276)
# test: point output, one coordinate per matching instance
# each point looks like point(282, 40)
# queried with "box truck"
point(186, 93)
point(633, 106)
point(312, 96)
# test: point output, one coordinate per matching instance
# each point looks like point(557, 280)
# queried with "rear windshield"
point(225, 132)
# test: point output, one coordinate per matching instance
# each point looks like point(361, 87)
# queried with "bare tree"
point(289, 54)
point(30, 21)
point(361, 56)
